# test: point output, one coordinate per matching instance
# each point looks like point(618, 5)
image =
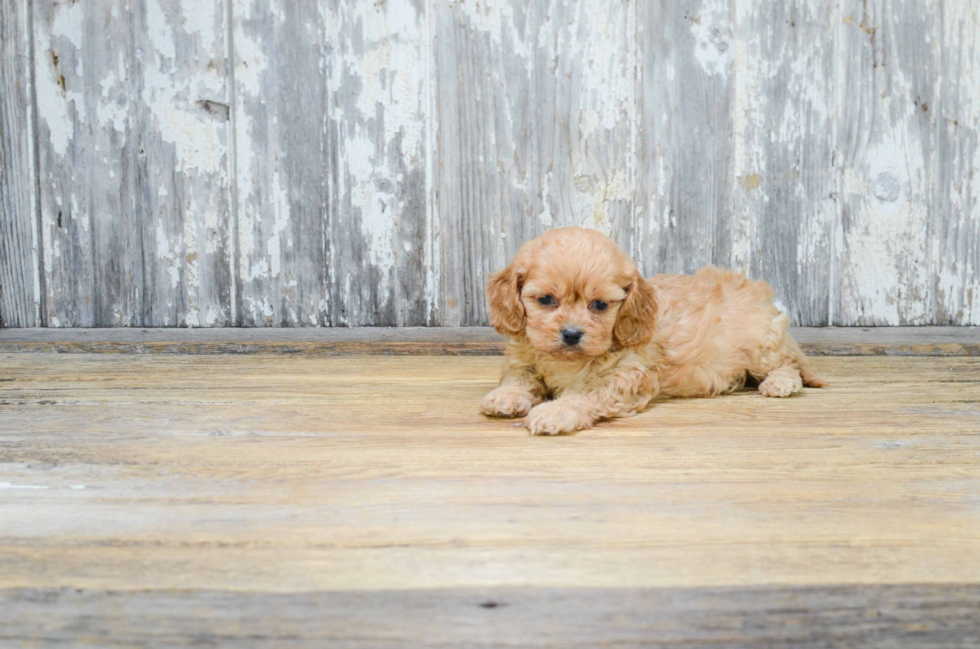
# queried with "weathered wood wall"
point(354, 162)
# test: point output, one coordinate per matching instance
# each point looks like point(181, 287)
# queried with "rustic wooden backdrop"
point(370, 162)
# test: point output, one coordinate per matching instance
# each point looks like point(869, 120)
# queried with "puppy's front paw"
point(555, 418)
point(506, 401)
point(781, 384)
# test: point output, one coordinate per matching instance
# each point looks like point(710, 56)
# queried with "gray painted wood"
point(535, 106)
point(956, 206)
point(784, 150)
point(380, 192)
point(899, 615)
point(283, 162)
point(887, 143)
point(19, 287)
point(331, 162)
point(371, 163)
point(685, 148)
point(132, 112)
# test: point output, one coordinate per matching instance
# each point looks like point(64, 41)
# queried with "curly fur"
point(672, 335)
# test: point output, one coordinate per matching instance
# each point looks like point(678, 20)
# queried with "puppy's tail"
point(810, 379)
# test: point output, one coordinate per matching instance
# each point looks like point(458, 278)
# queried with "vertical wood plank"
point(331, 162)
point(282, 58)
point(889, 66)
point(956, 237)
point(19, 287)
point(785, 184)
point(686, 149)
point(536, 131)
point(379, 192)
point(132, 106)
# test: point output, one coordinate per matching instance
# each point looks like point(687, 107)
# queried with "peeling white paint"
point(200, 18)
point(593, 201)
point(170, 91)
point(605, 66)
point(712, 32)
point(381, 58)
point(888, 233)
point(59, 108)
point(748, 109)
point(251, 62)
point(887, 277)
point(281, 220)
point(69, 23)
point(545, 217)
point(166, 255)
point(160, 33)
point(114, 107)
point(260, 309)
point(497, 20)
point(374, 207)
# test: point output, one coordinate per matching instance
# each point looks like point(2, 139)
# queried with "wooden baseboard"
point(437, 341)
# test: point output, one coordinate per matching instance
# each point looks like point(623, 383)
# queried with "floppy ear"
point(637, 317)
point(504, 293)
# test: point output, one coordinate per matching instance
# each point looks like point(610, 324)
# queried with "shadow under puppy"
point(587, 331)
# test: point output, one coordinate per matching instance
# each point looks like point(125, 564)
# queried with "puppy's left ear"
point(637, 317)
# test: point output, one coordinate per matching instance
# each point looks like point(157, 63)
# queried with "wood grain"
point(283, 162)
point(507, 173)
point(19, 287)
point(956, 205)
point(685, 149)
point(132, 105)
point(784, 58)
point(288, 474)
point(351, 162)
point(158, 498)
point(914, 616)
point(331, 163)
point(887, 143)
point(381, 191)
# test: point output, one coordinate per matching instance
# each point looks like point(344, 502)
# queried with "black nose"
point(571, 336)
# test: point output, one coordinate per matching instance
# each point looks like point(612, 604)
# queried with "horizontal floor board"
point(917, 616)
point(436, 341)
point(303, 474)
point(271, 500)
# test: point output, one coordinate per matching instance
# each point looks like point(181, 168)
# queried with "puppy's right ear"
point(504, 293)
point(635, 325)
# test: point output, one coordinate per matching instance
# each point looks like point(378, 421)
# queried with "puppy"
point(590, 339)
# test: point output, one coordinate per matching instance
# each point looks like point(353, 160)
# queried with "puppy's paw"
point(781, 384)
point(507, 401)
point(555, 418)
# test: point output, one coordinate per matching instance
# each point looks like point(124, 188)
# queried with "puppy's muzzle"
point(571, 336)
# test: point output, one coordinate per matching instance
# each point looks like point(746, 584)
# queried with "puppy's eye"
point(546, 300)
point(599, 305)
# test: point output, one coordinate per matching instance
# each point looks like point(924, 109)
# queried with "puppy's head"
point(573, 293)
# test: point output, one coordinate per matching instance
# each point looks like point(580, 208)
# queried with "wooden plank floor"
point(313, 501)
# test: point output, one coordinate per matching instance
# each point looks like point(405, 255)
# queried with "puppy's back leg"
point(782, 366)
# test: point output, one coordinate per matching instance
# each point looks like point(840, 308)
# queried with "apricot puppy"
point(591, 339)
